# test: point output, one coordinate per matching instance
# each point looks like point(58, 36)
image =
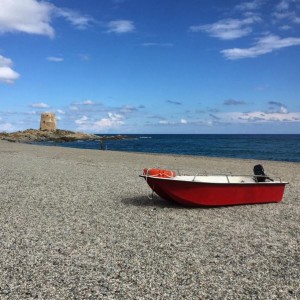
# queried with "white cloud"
point(164, 122)
point(84, 57)
point(296, 20)
point(277, 113)
point(277, 107)
point(127, 109)
point(85, 103)
point(74, 108)
point(283, 110)
point(283, 5)
point(287, 10)
point(157, 45)
point(60, 112)
point(39, 105)
point(264, 45)
point(88, 102)
point(34, 17)
point(252, 5)
point(33, 112)
point(283, 15)
point(55, 59)
point(75, 18)
point(5, 126)
point(285, 27)
point(259, 116)
point(7, 74)
point(82, 121)
point(113, 120)
point(29, 16)
point(228, 29)
point(120, 26)
point(167, 122)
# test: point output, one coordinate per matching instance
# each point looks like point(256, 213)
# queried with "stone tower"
point(48, 121)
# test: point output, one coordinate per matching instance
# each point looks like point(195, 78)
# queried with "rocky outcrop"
point(32, 135)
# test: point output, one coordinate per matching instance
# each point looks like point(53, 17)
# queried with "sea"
point(276, 147)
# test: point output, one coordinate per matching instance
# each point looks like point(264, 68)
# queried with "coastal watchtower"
point(48, 121)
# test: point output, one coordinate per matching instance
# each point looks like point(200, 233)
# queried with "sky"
point(151, 66)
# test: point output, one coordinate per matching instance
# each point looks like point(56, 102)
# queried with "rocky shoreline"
point(58, 135)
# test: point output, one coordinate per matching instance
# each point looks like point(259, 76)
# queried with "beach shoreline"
point(260, 147)
point(61, 145)
point(77, 224)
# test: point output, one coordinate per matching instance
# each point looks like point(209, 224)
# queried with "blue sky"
point(150, 66)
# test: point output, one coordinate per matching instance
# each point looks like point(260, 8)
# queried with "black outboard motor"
point(259, 173)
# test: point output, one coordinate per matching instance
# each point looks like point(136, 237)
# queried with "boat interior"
point(220, 179)
point(165, 174)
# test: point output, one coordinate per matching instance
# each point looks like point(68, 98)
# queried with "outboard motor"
point(259, 173)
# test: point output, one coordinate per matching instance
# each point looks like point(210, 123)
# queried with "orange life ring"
point(159, 173)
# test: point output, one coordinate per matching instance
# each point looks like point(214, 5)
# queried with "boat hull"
point(191, 193)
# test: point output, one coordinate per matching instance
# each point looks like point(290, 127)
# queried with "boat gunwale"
point(216, 183)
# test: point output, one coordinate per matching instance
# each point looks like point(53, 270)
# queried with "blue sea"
point(277, 147)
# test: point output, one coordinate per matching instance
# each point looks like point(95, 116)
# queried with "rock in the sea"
point(32, 135)
point(58, 135)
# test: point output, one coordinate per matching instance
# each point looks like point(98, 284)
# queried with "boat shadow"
point(155, 202)
point(144, 201)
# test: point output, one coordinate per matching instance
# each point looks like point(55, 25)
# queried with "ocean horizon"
point(276, 147)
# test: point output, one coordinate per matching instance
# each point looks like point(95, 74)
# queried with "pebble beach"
point(77, 224)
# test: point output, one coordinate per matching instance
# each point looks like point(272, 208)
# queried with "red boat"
point(214, 190)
